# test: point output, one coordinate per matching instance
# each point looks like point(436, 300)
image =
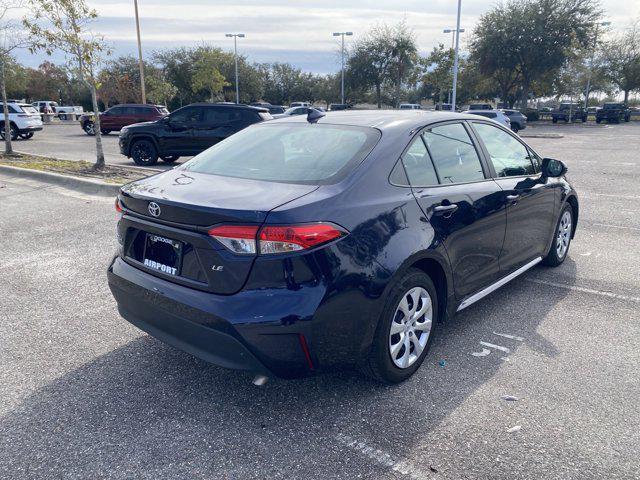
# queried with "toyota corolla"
point(320, 242)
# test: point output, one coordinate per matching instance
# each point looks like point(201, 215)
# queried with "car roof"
point(382, 119)
point(227, 105)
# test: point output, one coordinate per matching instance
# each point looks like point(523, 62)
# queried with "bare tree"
point(12, 39)
point(64, 25)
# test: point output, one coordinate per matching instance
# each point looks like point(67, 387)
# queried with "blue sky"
point(297, 31)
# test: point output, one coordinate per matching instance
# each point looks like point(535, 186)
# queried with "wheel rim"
point(564, 234)
point(91, 128)
point(142, 152)
point(410, 327)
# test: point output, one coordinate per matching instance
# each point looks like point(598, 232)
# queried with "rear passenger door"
point(463, 205)
point(529, 198)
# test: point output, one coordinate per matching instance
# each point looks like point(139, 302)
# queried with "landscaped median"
point(78, 175)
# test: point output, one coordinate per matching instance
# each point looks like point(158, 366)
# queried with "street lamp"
point(342, 34)
point(455, 58)
point(452, 31)
point(593, 52)
point(140, 64)
point(235, 56)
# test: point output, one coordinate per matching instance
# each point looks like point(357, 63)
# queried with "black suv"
point(569, 112)
point(613, 113)
point(187, 131)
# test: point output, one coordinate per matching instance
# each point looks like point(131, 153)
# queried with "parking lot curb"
point(84, 185)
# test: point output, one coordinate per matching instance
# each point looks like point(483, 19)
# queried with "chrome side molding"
point(493, 287)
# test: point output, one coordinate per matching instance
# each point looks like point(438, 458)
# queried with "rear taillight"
point(118, 206)
point(290, 238)
point(274, 239)
point(237, 238)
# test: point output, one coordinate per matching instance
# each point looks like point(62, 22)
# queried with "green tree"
point(620, 60)
point(404, 56)
point(531, 38)
point(206, 75)
point(437, 77)
point(64, 25)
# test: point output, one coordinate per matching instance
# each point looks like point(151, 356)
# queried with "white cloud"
point(298, 31)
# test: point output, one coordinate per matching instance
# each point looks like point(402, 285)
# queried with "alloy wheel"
point(564, 234)
point(410, 327)
point(90, 128)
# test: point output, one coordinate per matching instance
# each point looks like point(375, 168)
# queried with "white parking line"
point(615, 226)
point(384, 459)
point(586, 290)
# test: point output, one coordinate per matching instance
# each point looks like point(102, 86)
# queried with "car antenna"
point(314, 115)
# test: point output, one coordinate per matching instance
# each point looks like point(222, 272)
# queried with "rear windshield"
point(612, 106)
point(289, 153)
point(28, 109)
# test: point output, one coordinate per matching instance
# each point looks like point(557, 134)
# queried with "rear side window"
point(418, 165)
point(221, 116)
point(13, 109)
point(453, 154)
point(290, 153)
point(509, 157)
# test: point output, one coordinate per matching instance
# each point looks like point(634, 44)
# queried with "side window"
point(509, 157)
point(116, 111)
point(453, 154)
point(418, 165)
point(12, 109)
point(188, 115)
point(220, 116)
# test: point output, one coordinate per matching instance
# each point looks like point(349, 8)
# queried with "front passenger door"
point(529, 197)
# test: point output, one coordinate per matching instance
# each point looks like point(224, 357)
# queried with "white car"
point(292, 111)
point(410, 106)
point(495, 115)
point(24, 120)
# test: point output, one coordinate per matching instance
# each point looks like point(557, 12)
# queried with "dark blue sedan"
point(324, 241)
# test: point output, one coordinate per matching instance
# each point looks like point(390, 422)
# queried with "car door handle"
point(513, 198)
point(444, 209)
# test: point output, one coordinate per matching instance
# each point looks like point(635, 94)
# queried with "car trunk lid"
point(167, 217)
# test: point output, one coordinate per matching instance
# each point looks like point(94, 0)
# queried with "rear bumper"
point(34, 128)
point(241, 331)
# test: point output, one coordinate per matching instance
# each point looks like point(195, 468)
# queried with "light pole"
point(455, 59)
point(235, 56)
point(342, 34)
point(593, 52)
point(141, 65)
point(452, 31)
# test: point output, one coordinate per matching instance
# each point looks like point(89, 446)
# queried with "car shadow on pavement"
point(146, 407)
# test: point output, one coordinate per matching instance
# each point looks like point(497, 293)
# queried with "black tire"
point(554, 120)
point(515, 128)
point(144, 153)
point(378, 364)
point(554, 257)
point(169, 158)
point(62, 116)
point(26, 136)
point(598, 120)
point(104, 131)
point(14, 132)
point(89, 128)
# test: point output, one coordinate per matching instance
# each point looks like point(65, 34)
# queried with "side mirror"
point(553, 168)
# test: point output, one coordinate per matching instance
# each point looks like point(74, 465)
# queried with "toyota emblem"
point(154, 209)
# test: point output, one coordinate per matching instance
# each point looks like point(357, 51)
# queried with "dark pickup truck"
point(613, 113)
point(567, 112)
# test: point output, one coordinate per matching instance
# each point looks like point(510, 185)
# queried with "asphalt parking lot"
point(87, 395)
point(69, 142)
